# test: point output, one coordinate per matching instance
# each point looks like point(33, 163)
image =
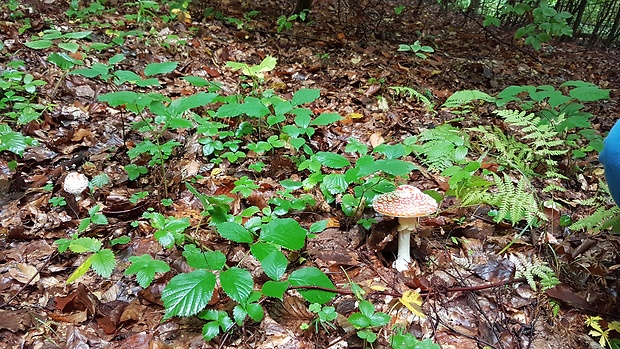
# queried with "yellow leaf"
point(81, 270)
point(355, 115)
point(614, 326)
point(413, 301)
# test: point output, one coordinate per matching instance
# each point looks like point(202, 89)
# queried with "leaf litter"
point(451, 259)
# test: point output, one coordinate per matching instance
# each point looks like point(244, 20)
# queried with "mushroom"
point(407, 203)
point(610, 158)
point(75, 183)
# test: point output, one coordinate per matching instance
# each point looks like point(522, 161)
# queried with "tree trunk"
point(302, 5)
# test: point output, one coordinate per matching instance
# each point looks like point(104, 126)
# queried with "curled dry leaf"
point(24, 272)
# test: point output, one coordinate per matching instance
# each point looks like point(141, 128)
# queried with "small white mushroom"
point(75, 183)
point(408, 203)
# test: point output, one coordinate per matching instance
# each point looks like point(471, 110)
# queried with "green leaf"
point(589, 93)
point(181, 105)
point(134, 171)
point(69, 46)
point(305, 96)
point(196, 81)
point(99, 181)
point(84, 223)
point(275, 289)
point(115, 99)
point(331, 160)
point(237, 283)
point(319, 226)
point(239, 314)
point(272, 260)
point(326, 119)
point(312, 276)
point(14, 142)
point(77, 35)
point(117, 58)
point(234, 232)
point(160, 68)
point(334, 183)
point(39, 44)
point(284, 232)
point(145, 268)
point(359, 320)
point(82, 245)
point(355, 146)
point(210, 330)
point(187, 294)
point(212, 260)
point(255, 311)
point(63, 60)
point(103, 262)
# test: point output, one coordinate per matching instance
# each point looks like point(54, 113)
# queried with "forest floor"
point(470, 298)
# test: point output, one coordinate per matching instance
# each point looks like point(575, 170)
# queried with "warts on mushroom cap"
point(406, 201)
point(75, 183)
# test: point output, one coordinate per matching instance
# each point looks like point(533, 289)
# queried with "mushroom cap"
point(75, 183)
point(406, 201)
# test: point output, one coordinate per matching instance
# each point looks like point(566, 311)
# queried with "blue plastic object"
point(610, 157)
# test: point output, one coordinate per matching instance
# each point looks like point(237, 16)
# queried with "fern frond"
point(413, 94)
point(463, 99)
point(531, 267)
point(515, 202)
point(601, 219)
point(443, 146)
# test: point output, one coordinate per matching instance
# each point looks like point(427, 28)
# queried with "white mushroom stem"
point(405, 227)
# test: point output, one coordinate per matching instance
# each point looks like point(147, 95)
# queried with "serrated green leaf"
point(145, 268)
point(237, 283)
point(14, 142)
point(272, 260)
point(255, 311)
point(275, 289)
point(335, 183)
point(82, 245)
point(103, 262)
point(284, 232)
point(212, 260)
point(312, 276)
point(331, 160)
point(160, 68)
point(234, 232)
point(187, 294)
point(210, 330)
point(239, 314)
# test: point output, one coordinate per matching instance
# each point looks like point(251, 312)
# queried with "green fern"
point(464, 100)
point(531, 267)
point(507, 150)
point(404, 90)
point(601, 219)
point(442, 147)
point(544, 141)
point(514, 202)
